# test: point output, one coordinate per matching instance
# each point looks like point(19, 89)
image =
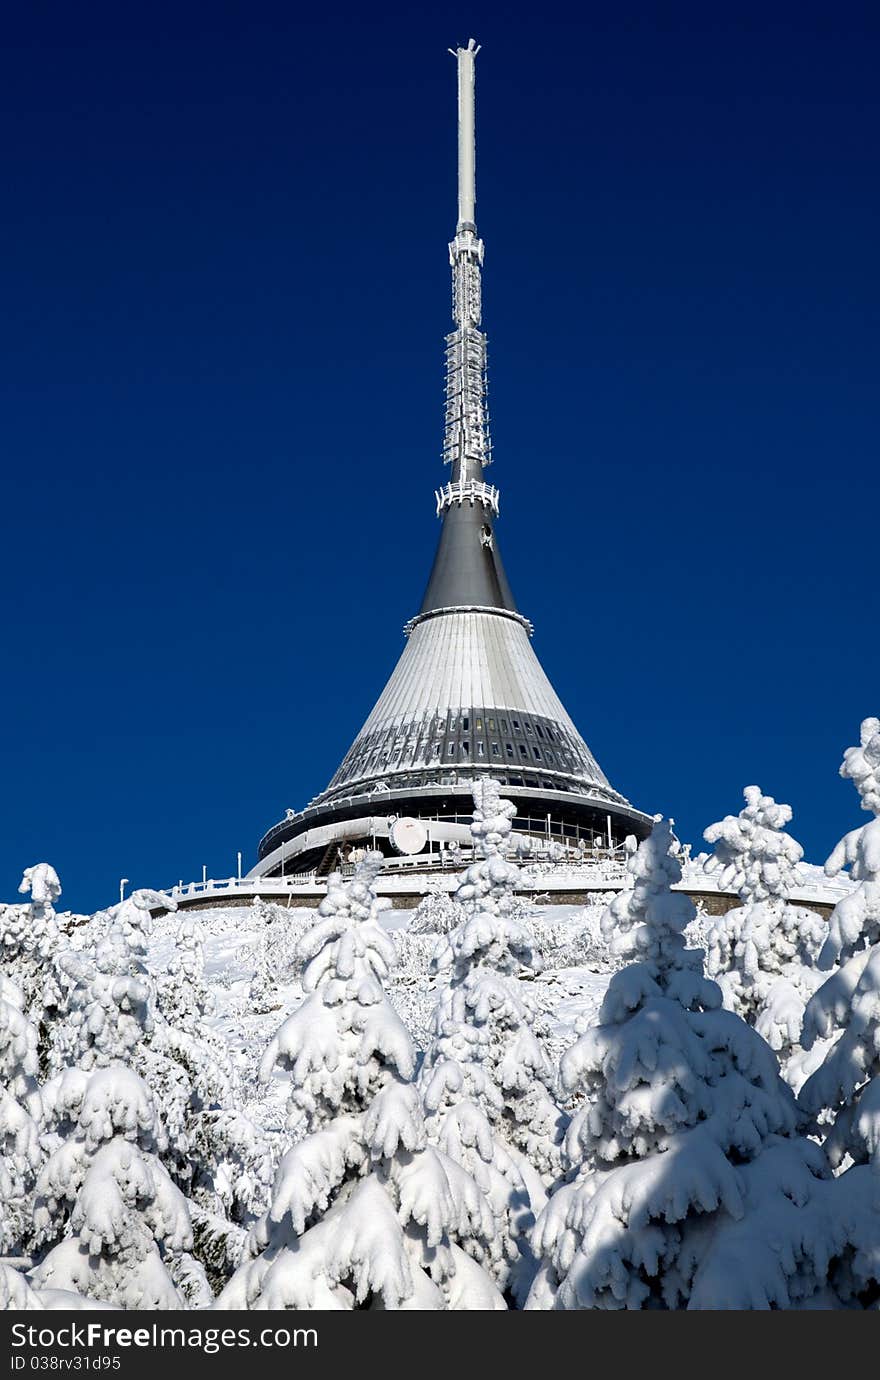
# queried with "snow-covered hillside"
point(569, 989)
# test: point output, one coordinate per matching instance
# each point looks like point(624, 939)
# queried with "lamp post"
point(123, 883)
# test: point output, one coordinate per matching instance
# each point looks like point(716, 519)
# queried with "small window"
point(465, 749)
point(503, 725)
point(529, 730)
point(452, 722)
point(481, 749)
point(549, 756)
point(450, 751)
point(539, 730)
point(523, 750)
point(496, 750)
point(537, 752)
point(509, 749)
point(515, 723)
point(479, 725)
point(491, 725)
point(466, 722)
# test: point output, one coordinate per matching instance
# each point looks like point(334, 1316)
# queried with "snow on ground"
point(569, 992)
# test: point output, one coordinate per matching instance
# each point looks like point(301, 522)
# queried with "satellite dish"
point(408, 836)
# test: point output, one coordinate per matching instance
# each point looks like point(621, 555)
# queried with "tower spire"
point(467, 195)
point(466, 444)
point(467, 569)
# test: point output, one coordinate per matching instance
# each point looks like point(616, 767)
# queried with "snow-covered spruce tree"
point(846, 1086)
point(762, 952)
point(110, 1222)
point(486, 1014)
point(29, 944)
point(436, 913)
point(20, 1119)
point(364, 1213)
point(118, 1042)
point(109, 1006)
point(200, 1077)
point(275, 956)
point(693, 1189)
point(222, 1162)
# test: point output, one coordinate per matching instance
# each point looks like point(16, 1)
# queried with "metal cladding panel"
point(467, 568)
point(452, 663)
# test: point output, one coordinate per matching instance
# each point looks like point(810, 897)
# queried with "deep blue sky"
point(224, 292)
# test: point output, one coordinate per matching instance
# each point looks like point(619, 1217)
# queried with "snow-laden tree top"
point(110, 1002)
point(855, 921)
point(28, 932)
point(861, 765)
point(753, 854)
point(647, 920)
point(762, 952)
point(42, 883)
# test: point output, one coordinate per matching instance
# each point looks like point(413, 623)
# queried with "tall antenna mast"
point(466, 444)
point(467, 195)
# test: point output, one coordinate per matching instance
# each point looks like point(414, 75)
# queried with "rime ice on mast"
point(468, 696)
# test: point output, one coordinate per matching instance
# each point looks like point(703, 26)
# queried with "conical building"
point(468, 695)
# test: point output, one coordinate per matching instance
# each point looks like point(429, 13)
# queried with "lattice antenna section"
point(467, 446)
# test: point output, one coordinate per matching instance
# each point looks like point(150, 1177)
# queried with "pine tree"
point(436, 913)
point(145, 1144)
point(486, 1080)
point(110, 1223)
point(29, 943)
point(846, 1087)
point(689, 1187)
point(364, 1212)
point(275, 958)
point(223, 1162)
point(21, 1114)
point(487, 962)
point(761, 953)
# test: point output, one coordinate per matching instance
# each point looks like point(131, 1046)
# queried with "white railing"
point(467, 490)
point(539, 874)
point(249, 885)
